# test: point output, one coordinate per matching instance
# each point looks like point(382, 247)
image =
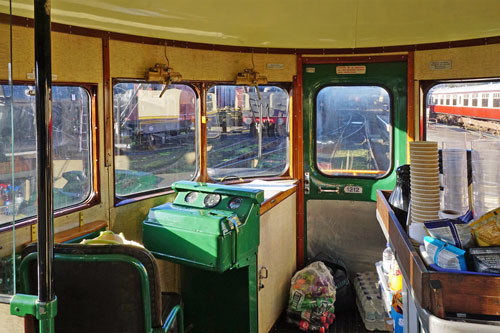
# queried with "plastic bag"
point(312, 297)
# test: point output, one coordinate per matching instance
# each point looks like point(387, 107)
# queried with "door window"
point(353, 131)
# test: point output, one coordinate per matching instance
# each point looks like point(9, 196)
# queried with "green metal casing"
point(216, 238)
point(388, 75)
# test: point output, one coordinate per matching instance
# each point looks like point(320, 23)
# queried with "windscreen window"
point(353, 131)
point(476, 118)
point(71, 149)
point(247, 131)
point(154, 136)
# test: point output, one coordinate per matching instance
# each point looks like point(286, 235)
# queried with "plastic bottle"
point(387, 257)
point(18, 199)
point(395, 278)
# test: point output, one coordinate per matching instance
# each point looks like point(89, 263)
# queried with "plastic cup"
point(485, 176)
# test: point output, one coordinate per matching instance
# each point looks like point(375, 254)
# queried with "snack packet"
point(452, 231)
point(486, 229)
point(445, 255)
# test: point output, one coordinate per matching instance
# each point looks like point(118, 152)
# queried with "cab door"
point(354, 138)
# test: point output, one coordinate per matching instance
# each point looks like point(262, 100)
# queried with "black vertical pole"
point(44, 150)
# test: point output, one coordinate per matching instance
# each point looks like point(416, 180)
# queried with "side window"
point(496, 100)
point(484, 100)
point(71, 148)
point(247, 131)
point(353, 131)
point(477, 119)
point(154, 136)
point(474, 99)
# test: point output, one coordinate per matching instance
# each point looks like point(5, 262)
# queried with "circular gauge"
point(191, 197)
point(235, 203)
point(211, 200)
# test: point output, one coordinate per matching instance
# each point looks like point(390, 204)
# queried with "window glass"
point(496, 100)
point(476, 120)
point(71, 148)
point(474, 99)
point(353, 131)
point(454, 99)
point(484, 100)
point(154, 133)
point(247, 131)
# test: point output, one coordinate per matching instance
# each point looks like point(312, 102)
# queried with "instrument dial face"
point(235, 203)
point(191, 197)
point(212, 200)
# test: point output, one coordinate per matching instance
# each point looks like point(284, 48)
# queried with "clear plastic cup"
point(485, 176)
point(455, 195)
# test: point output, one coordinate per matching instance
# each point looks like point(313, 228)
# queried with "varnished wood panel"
point(85, 229)
point(410, 113)
point(298, 160)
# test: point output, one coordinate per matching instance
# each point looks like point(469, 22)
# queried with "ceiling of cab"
point(283, 23)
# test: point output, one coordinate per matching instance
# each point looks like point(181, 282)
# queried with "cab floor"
point(348, 321)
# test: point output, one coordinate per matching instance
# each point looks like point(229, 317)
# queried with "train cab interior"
point(260, 166)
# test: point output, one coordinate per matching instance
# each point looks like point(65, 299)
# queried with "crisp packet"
point(445, 255)
point(486, 229)
point(452, 231)
point(486, 259)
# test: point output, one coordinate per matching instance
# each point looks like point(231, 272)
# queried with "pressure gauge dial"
point(191, 197)
point(211, 200)
point(235, 203)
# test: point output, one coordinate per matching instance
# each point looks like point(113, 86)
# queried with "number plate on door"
point(353, 189)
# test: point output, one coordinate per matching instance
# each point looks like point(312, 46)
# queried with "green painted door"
point(354, 138)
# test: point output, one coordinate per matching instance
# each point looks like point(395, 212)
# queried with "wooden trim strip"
point(88, 228)
point(94, 130)
point(75, 30)
point(412, 267)
point(410, 124)
point(298, 160)
point(108, 104)
point(357, 59)
point(275, 200)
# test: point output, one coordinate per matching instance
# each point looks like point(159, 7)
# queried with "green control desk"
point(213, 232)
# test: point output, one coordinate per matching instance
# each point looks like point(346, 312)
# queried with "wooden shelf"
point(438, 292)
point(77, 232)
point(74, 233)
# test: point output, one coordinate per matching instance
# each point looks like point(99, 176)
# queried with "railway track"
point(268, 148)
point(349, 141)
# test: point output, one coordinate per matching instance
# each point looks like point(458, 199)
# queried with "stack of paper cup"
point(424, 180)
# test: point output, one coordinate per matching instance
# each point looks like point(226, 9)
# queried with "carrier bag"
point(343, 292)
point(312, 297)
